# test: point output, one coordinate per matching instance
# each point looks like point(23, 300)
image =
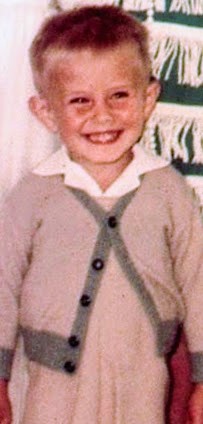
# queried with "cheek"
point(134, 119)
point(134, 111)
point(67, 124)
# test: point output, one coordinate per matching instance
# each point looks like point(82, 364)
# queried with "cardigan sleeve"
point(19, 217)
point(13, 262)
point(187, 257)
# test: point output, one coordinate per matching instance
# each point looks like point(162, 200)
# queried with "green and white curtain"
point(176, 128)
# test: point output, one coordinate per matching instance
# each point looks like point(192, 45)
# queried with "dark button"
point(98, 264)
point(69, 367)
point(73, 341)
point(112, 222)
point(85, 300)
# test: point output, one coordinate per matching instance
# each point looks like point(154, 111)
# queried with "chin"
point(104, 160)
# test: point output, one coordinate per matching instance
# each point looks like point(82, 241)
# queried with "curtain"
point(176, 39)
point(23, 141)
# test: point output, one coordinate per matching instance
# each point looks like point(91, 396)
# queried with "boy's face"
point(98, 102)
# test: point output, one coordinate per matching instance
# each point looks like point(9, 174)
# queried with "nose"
point(101, 112)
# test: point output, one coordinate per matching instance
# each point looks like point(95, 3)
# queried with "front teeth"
point(103, 137)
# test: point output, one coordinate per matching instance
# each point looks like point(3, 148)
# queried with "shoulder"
point(174, 193)
point(26, 200)
point(168, 180)
point(32, 188)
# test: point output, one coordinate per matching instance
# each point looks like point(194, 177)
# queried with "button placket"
point(96, 269)
point(87, 298)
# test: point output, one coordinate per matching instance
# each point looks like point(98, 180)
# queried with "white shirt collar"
point(76, 176)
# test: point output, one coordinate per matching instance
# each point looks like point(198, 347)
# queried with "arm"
point(5, 406)
point(13, 265)
point(11, 276)
point(195, 405)
point(193, 328)
point(187, 248)
point(9, 289)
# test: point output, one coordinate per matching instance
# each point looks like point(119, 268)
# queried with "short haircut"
point(95, 27)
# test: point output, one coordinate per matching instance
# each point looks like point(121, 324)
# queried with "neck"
point(106, 174)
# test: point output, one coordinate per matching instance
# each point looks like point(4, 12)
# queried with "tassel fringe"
point(189, 7)
point(142, 5)
point(175, 45)
point(138, 5)
point(172, 126)
point(69, 4)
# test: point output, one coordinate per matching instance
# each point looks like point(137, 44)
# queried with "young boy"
point(102, 246)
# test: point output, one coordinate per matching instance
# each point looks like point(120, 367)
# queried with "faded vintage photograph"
point(101, 238)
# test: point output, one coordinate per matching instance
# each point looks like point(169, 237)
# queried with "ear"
point(40, 108)
point(152, 94)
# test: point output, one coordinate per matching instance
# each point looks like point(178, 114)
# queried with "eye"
point(120, 95)
point(79, 100)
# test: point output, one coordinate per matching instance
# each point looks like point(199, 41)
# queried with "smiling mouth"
point(107, 137)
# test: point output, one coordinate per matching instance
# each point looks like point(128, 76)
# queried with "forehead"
point(83, 66)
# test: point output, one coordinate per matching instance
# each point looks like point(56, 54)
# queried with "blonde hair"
point(96, 27)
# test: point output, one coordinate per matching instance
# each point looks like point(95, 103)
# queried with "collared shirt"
point(76, 176)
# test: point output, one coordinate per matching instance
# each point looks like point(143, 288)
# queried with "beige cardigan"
point(60, 249)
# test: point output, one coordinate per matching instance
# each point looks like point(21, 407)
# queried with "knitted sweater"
point(60, 248)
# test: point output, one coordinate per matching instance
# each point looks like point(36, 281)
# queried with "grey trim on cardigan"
point(197, 366)
point(165, 331)
point(48, 349)
point(6, 359)
point(54, 351)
